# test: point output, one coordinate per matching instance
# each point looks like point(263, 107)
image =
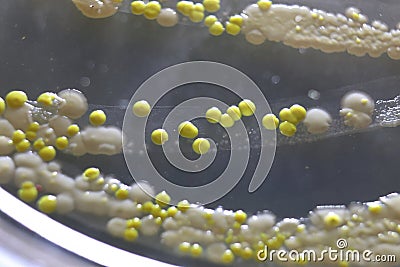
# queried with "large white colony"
point(302, 27)
point(357, 109)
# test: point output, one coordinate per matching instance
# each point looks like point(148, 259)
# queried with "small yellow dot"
point(332, 220)
point(227, 257)
point(213, 115)
point(18, 136)
point(172, 211)
point(184, 247)
point(163, 214)
point(2, 106)
point(321, 18)
point(23, 146)
point(91, 174)
point(240, 216)
point(148, 206)
point(27, 185)
point(210, 20)
point(100, 181)
point(226, 121)
point(236, 225)
point(62, 142)
point(216, 28)
point(196, 250)
point(34, 127)
point(39, 144)
point(229, 238)
point(314, 15)
point(208, 214)
point(185, 7)
point(247, 107)
point(358, 40)
point(298, 111)
point(16, 99)
point(46, 99)
point(196, 16)
point(247, 253)
point(131, 234)
point(28, 192)
point(355, 16)
point(301, 228)
point(183, 205)
point(158, 221)
point(374, 208)
point(163, 199)
point(97, 118)
point(30, 135)
point(234, 113)
point(264, 4)
point(152, 10)
point(47, 153)
point(72, 130)
point(286, 115)
point(236, 248)
point(155, 210)
point(197, 13)
point(287, 129)
point(211, 5)
point(137, 7)
point(141, 108)
point(273, 243)
point(201, 146)
point(270, 122)
point(349, 115)
point(236, 19)
point(188, 130)
point(159, 136)
point(134, 223)
point(47, 203)
point(122, 193)
point(298, 28)
point(232, 29)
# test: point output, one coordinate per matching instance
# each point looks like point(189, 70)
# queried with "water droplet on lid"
point(275, 79)
point(84, 81)
point(314, 94)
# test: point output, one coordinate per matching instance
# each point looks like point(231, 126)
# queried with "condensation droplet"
point(314, 94)
point(275, 79)
point(84, 81)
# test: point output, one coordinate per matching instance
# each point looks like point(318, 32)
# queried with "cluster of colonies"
point(356, 109)
point(32, 132)
point(296, 26)
point(188, 130)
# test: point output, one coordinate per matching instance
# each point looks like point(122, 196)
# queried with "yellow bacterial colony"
point(293, 25)
point(28, 150)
